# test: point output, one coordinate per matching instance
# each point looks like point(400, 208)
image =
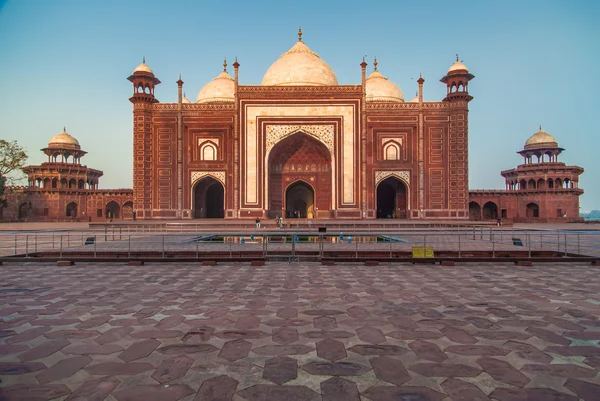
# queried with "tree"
point(12, 158)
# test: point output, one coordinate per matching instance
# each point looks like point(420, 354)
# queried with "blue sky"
point(65, 63)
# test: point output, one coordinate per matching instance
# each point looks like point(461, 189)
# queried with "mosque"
point(301, 145)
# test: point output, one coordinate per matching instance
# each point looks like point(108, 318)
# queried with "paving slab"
point(300, 331)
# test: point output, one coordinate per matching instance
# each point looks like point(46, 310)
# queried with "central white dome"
point(300, 66)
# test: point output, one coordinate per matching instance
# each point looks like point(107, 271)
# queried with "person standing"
point(277, 221)
point(257, 222)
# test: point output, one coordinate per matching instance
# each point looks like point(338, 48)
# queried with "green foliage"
point(12, 158)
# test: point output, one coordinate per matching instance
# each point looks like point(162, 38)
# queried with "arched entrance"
point(209, 199)
point(128, 210)
point(113, 210)
point(23, 211)
point(299, 200)
point(392, 199)
point(490, 211)
point(72, 210)
point(299, 158)
point(474, 211)
point(533, 211)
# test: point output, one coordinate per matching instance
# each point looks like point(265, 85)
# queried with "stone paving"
point(299, 332)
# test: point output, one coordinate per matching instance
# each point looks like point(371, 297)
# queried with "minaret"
point(457, 85)
point(179, 148)
point(144, 82)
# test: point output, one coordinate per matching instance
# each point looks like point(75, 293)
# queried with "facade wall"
point(34, 204)
point(561, 205)
point(232, 143)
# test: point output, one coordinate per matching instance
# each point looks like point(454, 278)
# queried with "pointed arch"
point(208, 151)
point(392, 150)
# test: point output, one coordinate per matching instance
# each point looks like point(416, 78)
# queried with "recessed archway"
point(490, 211)
point(72, 210)
point(209, 199)
point(23, 211)
point(474, 211)
point(392, 199)
point(113, 210)
point(533, 211)
point(128, 210)
point(299, 200)
point(299, 157)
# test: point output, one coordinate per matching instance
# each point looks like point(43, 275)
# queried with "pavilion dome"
point(185, 99)
point(143, 68)
point(458, 66)
point(219, 90)
point(380, 89)
point(541, 139)
point(63, 141)
point(300, 66)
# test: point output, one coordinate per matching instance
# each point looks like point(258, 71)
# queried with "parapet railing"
point(296, 245)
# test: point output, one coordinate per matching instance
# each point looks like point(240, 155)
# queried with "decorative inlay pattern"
point(198, 175)
point(275, 133)
point(404, 175)
point(201, 140)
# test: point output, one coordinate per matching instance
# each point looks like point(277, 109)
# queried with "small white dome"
point(300, 66)
point(219, 90)
point(457, 66)
point(380, 89)
point(63, 140)
point(143, 67)
point(541, 139)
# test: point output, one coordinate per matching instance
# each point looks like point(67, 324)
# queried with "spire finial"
point(180, 77)
point(540, 127)
point(375, 63)
point(64, 128)
point(457, 57)
point(225, 65)
point(299, 34)
point(144, 60)
point(184, 94)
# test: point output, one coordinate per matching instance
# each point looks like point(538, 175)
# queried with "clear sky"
point(65, 63)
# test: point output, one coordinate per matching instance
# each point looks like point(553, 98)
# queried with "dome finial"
point(64, 128)
point(456, 56)
point(225, 64)
point(540, 127)
point(144, 60)
point(375, 63)
point(299, 34)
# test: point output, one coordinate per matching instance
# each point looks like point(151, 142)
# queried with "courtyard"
point(284, 331)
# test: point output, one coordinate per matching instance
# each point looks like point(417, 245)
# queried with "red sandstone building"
point(62, 189)
point(542, 189)
point(300, 145)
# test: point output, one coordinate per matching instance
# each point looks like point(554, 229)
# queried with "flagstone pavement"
point(290, 332)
